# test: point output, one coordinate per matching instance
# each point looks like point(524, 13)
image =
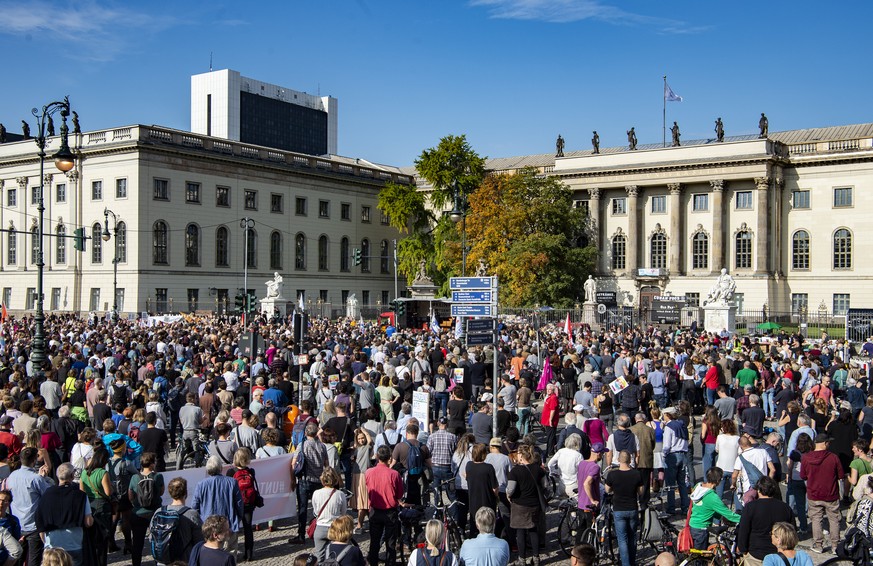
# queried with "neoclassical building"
point(178, 198)
point(786, 215)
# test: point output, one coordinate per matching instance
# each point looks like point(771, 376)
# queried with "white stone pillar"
point(597, 225)
point(762, 230)
point(633, 237)
point(677, 240)
point(717, 225)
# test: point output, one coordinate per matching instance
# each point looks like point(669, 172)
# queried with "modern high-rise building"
point(228, 105)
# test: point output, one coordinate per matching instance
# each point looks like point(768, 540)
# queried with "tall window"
point(700, 251)
point(800, 250)
point(252, 249)
point(161, 300)
point(276, 203)
point(842, 197)
point(120, 188)
point(300, 206)
point(365, 214)
point(365, 256)
point(250, 200)
point(192, 192)
point(61, 244)
point(162, 189)
point(193, 299)
point(300, 251)
point(159, 243)
point(659, 204)
point(34, 244)
point(121, 242)
point(344, 254)
point(61, 192)
point(345, 211)
point(96, 243)
point(659, 251)
point(324, 209)
point(800, 199)
point(192, 245)
point(323, 245)
point(383, 257)
point(744, 200)
point(700, 203)
point(96, 190)
point(799, 303)
point(619, 248)
point(34, 195)
point(222, 196)
point(221, 247)
point(842, 302)
point(744, 249)
point(619, 206)
point(95, 299)
point(276, 250)
point(842, 249)
point(12, 197)
point(11, 248)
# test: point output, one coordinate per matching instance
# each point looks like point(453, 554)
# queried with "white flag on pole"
point(669, 95)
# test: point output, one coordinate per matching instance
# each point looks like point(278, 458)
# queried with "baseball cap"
point(5, 420)
point(578, 408)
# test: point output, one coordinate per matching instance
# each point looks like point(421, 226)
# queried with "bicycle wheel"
point(589, 536)
point(568, 531)
point(550, 491)
point(454, 538)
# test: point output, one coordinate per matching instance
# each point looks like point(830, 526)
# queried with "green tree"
point(525, 227)
point(431, 236)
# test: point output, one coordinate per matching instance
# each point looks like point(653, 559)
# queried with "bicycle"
point(453, 534)
point(569, 532)
point(666, 542)
point(601, 533)
point(192, 453)
point(720, 553)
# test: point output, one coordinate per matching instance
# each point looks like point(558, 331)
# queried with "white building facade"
point(179, 198)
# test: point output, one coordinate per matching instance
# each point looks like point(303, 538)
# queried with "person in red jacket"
point(822, 472)
point(549, 418)
point(710, 380)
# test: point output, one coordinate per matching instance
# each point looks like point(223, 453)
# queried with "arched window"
point(383, 257)
point(744, 249)
point(96, 243)
point(800, 250)
point(323, 247)
point(61, 244)
point(275, 250)
point(365, 256)
point(659, 251)
point(700, 251)
point(159, 243)
point(619, 250)
point(192, 245)
point(121, 242)
point(252, 249)
point(344, 254)
point(221, 254)
point(300, 251)
point(34, 244)
point(842, 249)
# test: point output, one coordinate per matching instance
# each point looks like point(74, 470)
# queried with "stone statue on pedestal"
point(559, 146)
point(719, 130)
point(675, 131)
point(631, 139)
point(723, 290)
point(590, 288)
point(274, 286)
point(25, 130)
point(352, 306)
point(76, 128)
point(764, 126)
point(595, 142)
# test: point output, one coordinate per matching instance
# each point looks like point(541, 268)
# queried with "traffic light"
point(79, 239)
point(356, 256)
point(401, 308)
point(240, 302)
point(251, 301)
point(393, 306)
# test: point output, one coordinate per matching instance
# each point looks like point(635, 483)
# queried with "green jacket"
point(706, 504)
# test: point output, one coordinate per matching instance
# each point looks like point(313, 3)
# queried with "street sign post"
point(471, 310)
point(465, 283)
point(480, 325)
point(480, 339)
point(472, 297)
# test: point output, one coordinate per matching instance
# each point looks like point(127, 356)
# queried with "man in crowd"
point(486, 549)
point(384, 490)
point(63, 513)
point(822, 471)
point(441, 445)
point(28, 486)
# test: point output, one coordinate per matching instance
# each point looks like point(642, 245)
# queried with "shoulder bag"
point(685, 542)
point(310, 530)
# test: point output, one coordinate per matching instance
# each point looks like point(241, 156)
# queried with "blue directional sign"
point(462, 283)
point(471, 310)
point(480, 339)
point(471, 296)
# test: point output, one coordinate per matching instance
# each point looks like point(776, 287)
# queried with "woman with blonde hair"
point(784, 538)
point(432, 554)
point(327, 412)
point(341, 547)
point(56, 557)
point(329, 504)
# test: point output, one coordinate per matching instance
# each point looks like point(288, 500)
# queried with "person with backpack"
point(410, 458)
point(218, 495)
point(308, 463)
point(342, 550)
point(145, 491)
point(121, 470)
point(251, 497)
point(95, 482)
point(175, 528)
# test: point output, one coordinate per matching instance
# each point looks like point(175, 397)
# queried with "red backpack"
point(248, 486)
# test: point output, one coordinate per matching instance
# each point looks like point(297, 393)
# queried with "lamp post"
point(106, 236)
point(64, 161)
point(246, 224)
point(459, 214)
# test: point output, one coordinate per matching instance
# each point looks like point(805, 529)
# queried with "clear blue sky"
point(510, 74)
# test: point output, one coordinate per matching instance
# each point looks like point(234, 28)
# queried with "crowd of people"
point(612, 415)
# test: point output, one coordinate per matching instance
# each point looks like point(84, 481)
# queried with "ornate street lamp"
point(64, 161)
point(106, 236)
point(459, 214)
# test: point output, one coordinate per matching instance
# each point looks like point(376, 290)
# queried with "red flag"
point(3, 313)
point(568, 328)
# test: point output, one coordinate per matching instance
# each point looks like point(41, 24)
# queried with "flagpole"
point(664, 119)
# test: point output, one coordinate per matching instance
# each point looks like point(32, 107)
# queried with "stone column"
point(778, 249)
point(596, 225)
point(677, 241)
point(633, 236)
point(762, 230)
point(49, 245)
point(717, 225)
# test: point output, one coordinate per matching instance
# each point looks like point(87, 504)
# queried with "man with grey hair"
point(63, 513)
point(220, 495)
point(622, 439)
point(804, 426)
point(389, 437)
point(314, 461)
point(486, 549)
point(753, 417)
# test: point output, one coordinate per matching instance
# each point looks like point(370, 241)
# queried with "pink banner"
point(274, 481)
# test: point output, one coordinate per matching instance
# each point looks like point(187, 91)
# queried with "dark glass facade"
point(282, 125)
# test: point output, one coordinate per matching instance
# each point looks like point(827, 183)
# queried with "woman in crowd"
point(861, 464)
point(524, 489)
point(522, 398)
point(625, 485)
point(434, 552)
point(844, 432)
point(727, 448)
point(83, 450)
point(566, 462)
point(360, 464)
point(329, 503)
point(373, 423)
point(223, 448)
point(708, 437)
point(784, 538)
point(241, 471)
point(328, 439)
point(327, 412)
point(458, 408)
point(342, 548)
point(462, 455)
point(271, 448)
point(861, 515)
point(94, 481)
point(658, 426)
point(787, 422)
point(481, 484)
point(388, 395)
